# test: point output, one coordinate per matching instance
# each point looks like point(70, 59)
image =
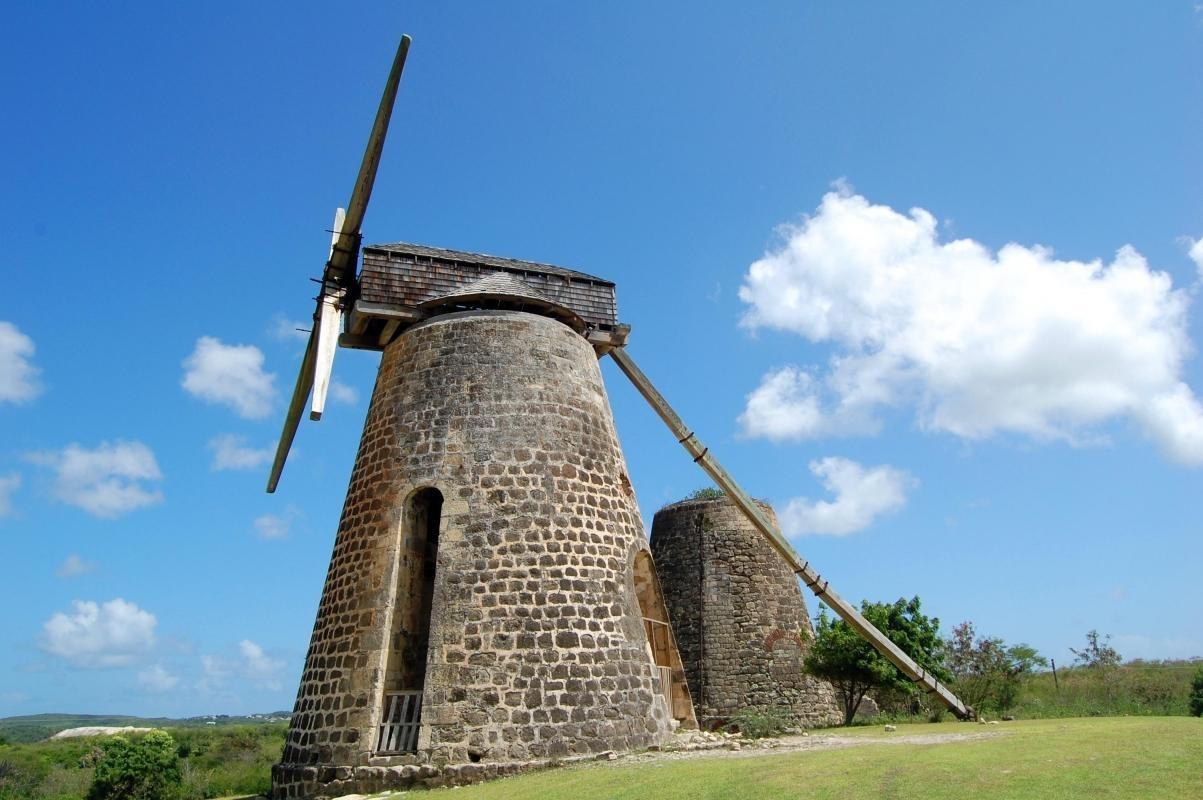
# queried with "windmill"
point(491, 597)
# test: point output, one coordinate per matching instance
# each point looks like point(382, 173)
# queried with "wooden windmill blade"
point(338, 277)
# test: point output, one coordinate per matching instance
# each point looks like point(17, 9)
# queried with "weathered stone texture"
point(536, 645)
point(740, 621)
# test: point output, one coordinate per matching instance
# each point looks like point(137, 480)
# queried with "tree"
point(1098, 653)
point(985, 671)
point(1196, 693)
point(146, 768)
point(841, 657)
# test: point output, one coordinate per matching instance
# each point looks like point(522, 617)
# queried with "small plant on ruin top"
point(706, 493)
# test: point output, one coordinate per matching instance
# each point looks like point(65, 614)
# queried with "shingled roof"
point(482, 259)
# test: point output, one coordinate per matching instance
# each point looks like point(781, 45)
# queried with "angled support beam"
point(848, 612)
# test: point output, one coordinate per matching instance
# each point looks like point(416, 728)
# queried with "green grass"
point(1122, 757)
point(1136, 688)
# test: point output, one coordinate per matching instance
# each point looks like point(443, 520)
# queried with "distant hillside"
point(36, 727)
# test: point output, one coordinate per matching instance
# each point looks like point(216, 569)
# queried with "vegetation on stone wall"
point(759, 723)
point(706, 493)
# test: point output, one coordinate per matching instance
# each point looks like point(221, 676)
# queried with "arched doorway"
point(409, 633)
point(662, 647)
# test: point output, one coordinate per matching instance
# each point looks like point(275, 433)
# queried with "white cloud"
point(232, 452)
point(786, 406)
point(344, 393)
point(9, 484)
point(977, 342)
point(157, 679)
point(114, 634)
point(18, 377)
point(106, 482)
point(258, 666)
point(275, 526)
point(230, 375)
point(253, 665)
point(861, 495)
point(74, 566)
point(289, 330)
point(1196, 255)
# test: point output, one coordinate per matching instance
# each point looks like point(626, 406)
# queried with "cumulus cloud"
point(74, 566)
point(18, 376)
point(157, 679)
point(275, 526)
point(1196, 255)
point(861, 496)
point(252, 665)
point(786, 406)
point(9, 484)
point(230, 375)
point(232, 452)
point(112, 634)
point(258, 666)
point(109, 481)
point(344, 393)
point(976, 342)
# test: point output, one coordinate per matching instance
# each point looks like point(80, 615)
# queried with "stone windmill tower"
point(738, 615)
point(491, 597)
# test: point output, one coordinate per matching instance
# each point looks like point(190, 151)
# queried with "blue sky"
point(992, 403)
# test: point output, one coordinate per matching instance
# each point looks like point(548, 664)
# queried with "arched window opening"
point(409, 634)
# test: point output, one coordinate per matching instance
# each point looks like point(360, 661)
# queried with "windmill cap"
point(506, 290)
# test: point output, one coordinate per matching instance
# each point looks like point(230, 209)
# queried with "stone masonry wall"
point(738, 614)
point(537, 649)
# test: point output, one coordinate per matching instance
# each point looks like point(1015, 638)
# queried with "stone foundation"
point(738, 614)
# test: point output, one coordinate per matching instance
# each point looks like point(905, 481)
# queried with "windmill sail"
point(338, 278)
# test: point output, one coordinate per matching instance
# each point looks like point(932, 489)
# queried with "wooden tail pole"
point(847, 612)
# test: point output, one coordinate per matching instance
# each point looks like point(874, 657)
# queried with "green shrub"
point(706, 493)
point(146, 768)
point(758, 723)
point(1196, 693)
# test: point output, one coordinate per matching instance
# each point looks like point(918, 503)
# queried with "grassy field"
point(1138, 687)
point(215, 762)
point(1120, 757)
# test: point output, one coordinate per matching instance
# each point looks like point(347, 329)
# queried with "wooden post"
point(704, 459)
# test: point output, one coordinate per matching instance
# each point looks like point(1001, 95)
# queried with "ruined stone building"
point(491, 596)
point(738, 615)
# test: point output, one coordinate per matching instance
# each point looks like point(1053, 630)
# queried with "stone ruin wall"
point(536, 645)
point(738, 614)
